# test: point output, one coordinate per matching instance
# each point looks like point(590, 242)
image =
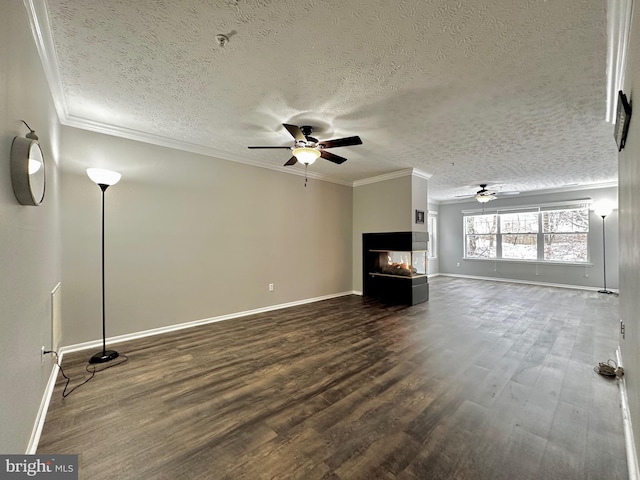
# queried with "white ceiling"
point(498, 91)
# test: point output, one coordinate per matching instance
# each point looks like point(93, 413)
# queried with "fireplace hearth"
point(395, 267)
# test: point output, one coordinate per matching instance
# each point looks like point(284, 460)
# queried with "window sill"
point(535, 262)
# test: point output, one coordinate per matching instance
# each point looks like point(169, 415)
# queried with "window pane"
point(518, 233)
point(519, 222)
point(520, 246)
point(569, 221)
point(481, 246)
point(566, 247)
point(432, 248)
point(481, 224)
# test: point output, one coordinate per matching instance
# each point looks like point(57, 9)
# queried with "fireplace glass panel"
point(404, 264)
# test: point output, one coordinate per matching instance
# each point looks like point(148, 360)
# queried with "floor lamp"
point(104, 179)
point(603, 210)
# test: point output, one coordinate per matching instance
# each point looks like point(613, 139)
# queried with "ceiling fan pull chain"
point(305, 175)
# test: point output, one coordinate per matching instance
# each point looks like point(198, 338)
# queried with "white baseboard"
point(527, 282)
point(48, 392)
point(180, 326)
point(32, 447)
point(632, 457)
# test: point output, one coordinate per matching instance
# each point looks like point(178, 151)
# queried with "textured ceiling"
point(470, 92)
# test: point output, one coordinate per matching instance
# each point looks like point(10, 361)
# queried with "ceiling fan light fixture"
point(306, 155)
point(485, 198)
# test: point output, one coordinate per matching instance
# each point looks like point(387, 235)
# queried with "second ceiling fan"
point(484, 195)
point(307, 149)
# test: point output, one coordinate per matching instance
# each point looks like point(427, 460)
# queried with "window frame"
point(541, 234)
point(432, 231)
point(561, 232)
point(489, 235)
point(533, 232)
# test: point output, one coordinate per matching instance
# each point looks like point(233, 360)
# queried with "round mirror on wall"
point(27, 171)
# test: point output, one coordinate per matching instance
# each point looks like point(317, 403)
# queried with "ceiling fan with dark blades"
point(307, 149)
point(484, 195)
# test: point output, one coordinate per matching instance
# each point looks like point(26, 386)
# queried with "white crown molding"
point(570, 188)
point(390, 176)
point(420, 174)
point(619, 14)
point(40, 28)
point(162, 141)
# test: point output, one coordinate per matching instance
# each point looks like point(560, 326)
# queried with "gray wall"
point(190, 237)
point(451, 249)
point(629, 175)
point(379, 207)
point(386, 206)
point(29, 236)
point(419, 194)
point(168, 240)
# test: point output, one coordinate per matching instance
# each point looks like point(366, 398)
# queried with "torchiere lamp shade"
point(102, 176)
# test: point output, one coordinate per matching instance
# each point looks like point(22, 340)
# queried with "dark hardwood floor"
point(487, 380)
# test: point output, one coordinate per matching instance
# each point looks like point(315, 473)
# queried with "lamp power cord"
point(91, 371)
point(609, 369)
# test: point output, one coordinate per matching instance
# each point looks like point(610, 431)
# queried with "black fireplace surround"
point(395, 282)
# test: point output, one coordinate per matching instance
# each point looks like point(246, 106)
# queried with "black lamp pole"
point(604, 261)
point(105, 355)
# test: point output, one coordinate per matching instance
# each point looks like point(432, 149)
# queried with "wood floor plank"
point(487, 380)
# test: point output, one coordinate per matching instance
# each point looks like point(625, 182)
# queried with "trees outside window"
point(519, 235)
point(565, 236)
point(545, 234)
point(480, 233)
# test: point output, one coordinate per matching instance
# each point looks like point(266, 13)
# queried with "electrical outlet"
point(271, 287)
point(42, 355)
point(458, 264)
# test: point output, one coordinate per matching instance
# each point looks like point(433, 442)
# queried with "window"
point(480, 236)
point(519, 232)
point(554, 233)
point(432, 229)
point(565, 234)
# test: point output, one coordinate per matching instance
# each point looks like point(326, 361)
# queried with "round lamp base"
point(104, 356)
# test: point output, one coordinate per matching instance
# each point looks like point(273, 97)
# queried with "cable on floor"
point(609, 369)
point(92, 371)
